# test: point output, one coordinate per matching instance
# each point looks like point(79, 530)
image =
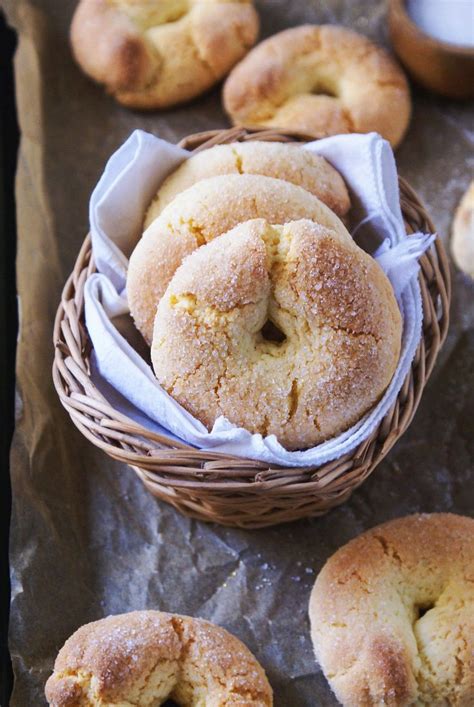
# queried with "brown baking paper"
point(87, 540)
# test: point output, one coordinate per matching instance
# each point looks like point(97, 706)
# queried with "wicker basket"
point(231, 490)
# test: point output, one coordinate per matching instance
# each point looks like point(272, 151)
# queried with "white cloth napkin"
point(131, 178)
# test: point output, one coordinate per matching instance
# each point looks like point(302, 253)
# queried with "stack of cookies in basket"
point(257, 303)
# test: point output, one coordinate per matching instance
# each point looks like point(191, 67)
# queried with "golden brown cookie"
point(462, 243)
point(392, 614)
point(289, 330)
point(291, 163)
point(146, 657)
point(156, 53)
point(320, 80)
point(204, 211)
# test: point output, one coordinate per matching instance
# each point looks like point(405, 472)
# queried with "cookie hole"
point(423, 609)
point(270, 332)
point(324, 91)
point(170, 703)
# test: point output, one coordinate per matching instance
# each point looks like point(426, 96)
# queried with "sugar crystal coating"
point(333, 305)
point(154, 54)
point(201, 213)
point(289, 162)
point(392, 614)
point(144, 658)
point(320, 80)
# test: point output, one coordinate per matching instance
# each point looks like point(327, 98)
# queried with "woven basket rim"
point(208, 484)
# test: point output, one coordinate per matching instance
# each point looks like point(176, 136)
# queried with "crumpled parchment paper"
point(87, 540)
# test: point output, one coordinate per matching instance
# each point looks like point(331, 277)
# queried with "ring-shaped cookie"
point(146, 657)
point(392, 614)
point(157, 53)
point(270, 159)
point(320, 80)
point(288, 330)
point(204, 211)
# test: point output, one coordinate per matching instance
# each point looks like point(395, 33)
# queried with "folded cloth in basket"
point(118, 203)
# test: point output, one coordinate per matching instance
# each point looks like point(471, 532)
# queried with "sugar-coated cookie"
point(146, 657)
point(157, 53)
point(320, 80)
point(288, 330)
point(289, 162)
point(392, 614)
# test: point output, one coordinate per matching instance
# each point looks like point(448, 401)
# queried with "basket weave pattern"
point(232, 490)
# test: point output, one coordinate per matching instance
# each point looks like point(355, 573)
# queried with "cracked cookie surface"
point(320, 80)
point(143, 658)
point(157, 53)
point(336, 331)
point(201, 213)
point(392, 614)
point(291, 163)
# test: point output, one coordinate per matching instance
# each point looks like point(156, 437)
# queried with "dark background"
point(8, 324)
